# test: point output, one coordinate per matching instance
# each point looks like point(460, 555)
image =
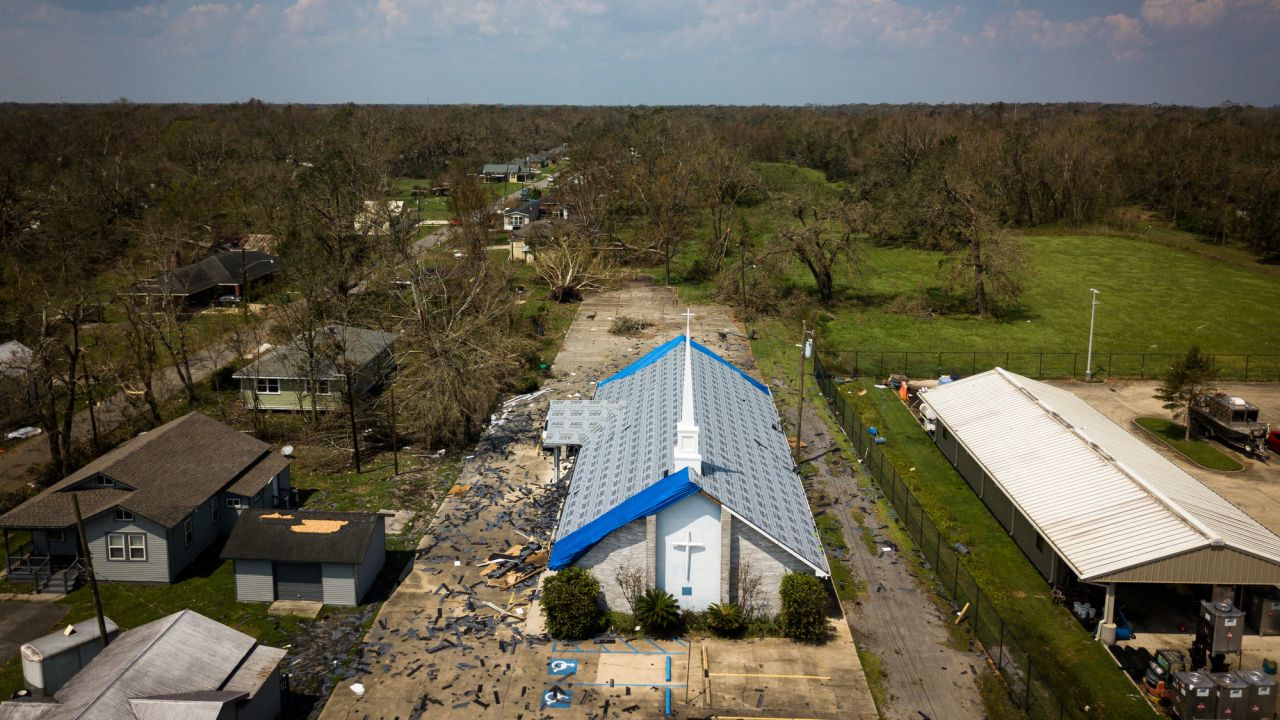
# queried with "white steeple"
point(686, 453)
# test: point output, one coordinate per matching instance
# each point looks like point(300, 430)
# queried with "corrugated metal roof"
point(1104, 499)
point(746, 462)
point(170, 658)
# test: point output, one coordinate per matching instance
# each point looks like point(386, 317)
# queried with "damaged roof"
point(302, 536)
point(629, 440)
point(231, 267)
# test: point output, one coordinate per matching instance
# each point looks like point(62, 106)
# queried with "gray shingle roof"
point(357, 345)
point(746, 462)
point(500, 169)
point(169, 658)
point(262, 534)
point(224, 268)
point(166, 473)
point(14, 358)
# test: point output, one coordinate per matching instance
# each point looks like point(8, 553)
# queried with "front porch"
point(28, 563)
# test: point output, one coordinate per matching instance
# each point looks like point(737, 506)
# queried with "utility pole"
point(88, 564)
point(806, 350)
point(1088, 361)
point(244, 283)
point(395, 442)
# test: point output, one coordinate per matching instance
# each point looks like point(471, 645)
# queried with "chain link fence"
point(1031, 687)
point(933, 363)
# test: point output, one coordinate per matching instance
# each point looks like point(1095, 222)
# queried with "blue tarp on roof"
point(664, 493)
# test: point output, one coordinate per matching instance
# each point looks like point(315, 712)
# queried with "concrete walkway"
point(449, 643)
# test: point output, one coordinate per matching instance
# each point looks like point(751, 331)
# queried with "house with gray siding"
point(311, 371)
point(683, 473)
point(181, 666)
point(150, 506)
point(328, 557)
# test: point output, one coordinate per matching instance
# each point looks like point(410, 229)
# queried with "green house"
point(311, 371)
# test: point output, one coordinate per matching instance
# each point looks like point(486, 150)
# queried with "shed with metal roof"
point(1084, 498)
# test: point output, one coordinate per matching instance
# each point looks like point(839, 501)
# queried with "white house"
point(683, 472)
point(517, 217)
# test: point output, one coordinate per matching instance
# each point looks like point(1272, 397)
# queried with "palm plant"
point(658, 612)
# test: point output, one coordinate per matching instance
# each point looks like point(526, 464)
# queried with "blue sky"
point(781, 52)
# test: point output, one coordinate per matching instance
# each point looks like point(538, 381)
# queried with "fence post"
point(881, 374)
point(1041, 374)
point(1000, 662)
point(1006, 359)
point(1246, 368)
point(1109, 363)
point(1142, 371)
point(977, 607)
point(973, 370)
point(1074, 358)
point(955, 583)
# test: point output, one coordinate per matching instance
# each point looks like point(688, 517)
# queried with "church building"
point(683, 472)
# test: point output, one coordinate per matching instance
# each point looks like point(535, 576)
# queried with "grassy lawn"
point(1059, 646)
point(1197, 451)
point(1161, 291)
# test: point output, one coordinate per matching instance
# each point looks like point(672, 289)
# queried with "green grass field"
point(1197, 451)
point(1160, 293)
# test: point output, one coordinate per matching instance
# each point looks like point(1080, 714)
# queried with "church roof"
point(628, 446)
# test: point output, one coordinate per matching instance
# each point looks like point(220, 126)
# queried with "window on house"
point(235, 502)
point(104, 481)
point(127, 546)
point(322, 387)
point(268, 386)
point(123, 515)
point(188, 532)
point(56, 535)
point(115, 546)
point(137, 546)
point(213, 511)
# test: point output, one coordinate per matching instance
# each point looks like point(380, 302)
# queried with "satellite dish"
point(287, 451)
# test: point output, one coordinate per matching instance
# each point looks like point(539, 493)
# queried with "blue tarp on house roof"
point(664, 493)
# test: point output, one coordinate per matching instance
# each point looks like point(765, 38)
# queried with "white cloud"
point(1121, 34)
point(306, 16)
point(1196, 14)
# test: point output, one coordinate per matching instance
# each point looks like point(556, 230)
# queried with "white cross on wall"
point(688, 547)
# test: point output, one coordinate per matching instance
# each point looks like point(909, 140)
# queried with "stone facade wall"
point(765, 559)
point(625, 546)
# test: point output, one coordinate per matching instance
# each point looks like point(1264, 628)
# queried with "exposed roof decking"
point(746, 463)
point(1106, 501)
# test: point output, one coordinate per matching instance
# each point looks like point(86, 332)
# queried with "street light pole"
point(806, 349)
point(1093, 312)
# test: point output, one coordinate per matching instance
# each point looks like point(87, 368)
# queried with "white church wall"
point(622, 547)
point(689, 553)
point(767, 561)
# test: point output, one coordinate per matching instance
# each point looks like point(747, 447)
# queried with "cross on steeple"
point(688, 318)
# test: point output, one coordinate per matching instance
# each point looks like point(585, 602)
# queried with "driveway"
point(22, 621)
point(1256, 489)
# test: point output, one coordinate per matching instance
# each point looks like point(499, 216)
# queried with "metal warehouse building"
point(1086, 500)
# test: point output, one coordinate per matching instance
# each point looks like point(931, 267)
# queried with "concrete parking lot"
point(1255, 489)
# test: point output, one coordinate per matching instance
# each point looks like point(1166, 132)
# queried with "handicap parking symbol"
point(557, 698)
point(562, 667)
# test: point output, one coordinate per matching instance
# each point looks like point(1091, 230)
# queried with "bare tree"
point(825, 236)
point(633, 582)
point(569, 265)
